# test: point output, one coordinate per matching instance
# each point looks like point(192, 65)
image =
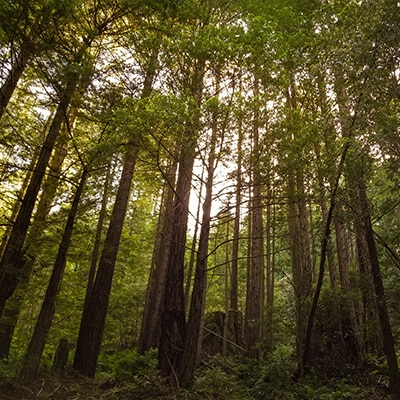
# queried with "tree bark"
point(388, 341)
point(10, 274)
point(236, 226)
point(11, 82)
point(196, 312)
point(99, 231)
point(34, 352)
point(150, 330)
point(255, 288)
point(173, 322)
point(94, 315)
point(13, 307)
point(189, 275)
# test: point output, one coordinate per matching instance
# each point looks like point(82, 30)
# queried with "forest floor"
point(71, 386)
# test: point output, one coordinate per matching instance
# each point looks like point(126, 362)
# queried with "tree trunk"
point(196, 312)
point(236, 226)
point(300, 256)
point(13, 307)
point(270, 262)
point(94, 315)
point(343, 244)
point(150, 330)
point(173, 322)
point(189, 274)
point(388, 341)
point(99, 231)
point(11, 82)
point(34, 352)
point(255, 292)
point(10, 275)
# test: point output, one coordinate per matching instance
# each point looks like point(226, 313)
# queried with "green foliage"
point(216, 383)
point(129, 366)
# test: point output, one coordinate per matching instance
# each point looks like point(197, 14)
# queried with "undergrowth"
point(128, 375)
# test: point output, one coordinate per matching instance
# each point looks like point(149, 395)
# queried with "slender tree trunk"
point(236, 227)
point(34, 352)
point(99, 232)
point(10, 275)
point(12, 309)
point(300, 256)
point(173, 322)
point(270, 263)
point(255, 292)
point(193, 255)
point(94, 315)
point(388, 341)
point(343, 244)
point(226, 287)
point(197, 305)
point(11, 82)
point(372, 337)
point(150, 331)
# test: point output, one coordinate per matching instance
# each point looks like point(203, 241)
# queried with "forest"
point(199, 199)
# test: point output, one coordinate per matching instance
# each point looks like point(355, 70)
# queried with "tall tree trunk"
point(255, 292)
point(150, 330)
point(34, 352)
point(270, 262)
point(300, 255)
point(236, 226)
point(12, 309)
point(197, 304)
point(388, 341)
point(343, 244)
point(10, 275)
point(94, 315)
point(11, 82)
point(173, 322)
point(99, 232)
point(189, 274)
point(372, 338)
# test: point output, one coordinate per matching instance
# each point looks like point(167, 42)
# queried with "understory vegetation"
point(129, 376)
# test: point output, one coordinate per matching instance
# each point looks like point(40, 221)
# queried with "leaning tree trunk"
point(10, 274)
point(11, 82)
point(34, 352)
point(12, 309)
point(94, 315)
point(388, 341)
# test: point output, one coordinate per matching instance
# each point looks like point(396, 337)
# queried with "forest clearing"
point(199, 199)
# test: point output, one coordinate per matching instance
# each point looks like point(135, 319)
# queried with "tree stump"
point(61, 356)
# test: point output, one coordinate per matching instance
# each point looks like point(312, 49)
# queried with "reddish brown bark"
point(94, 315)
